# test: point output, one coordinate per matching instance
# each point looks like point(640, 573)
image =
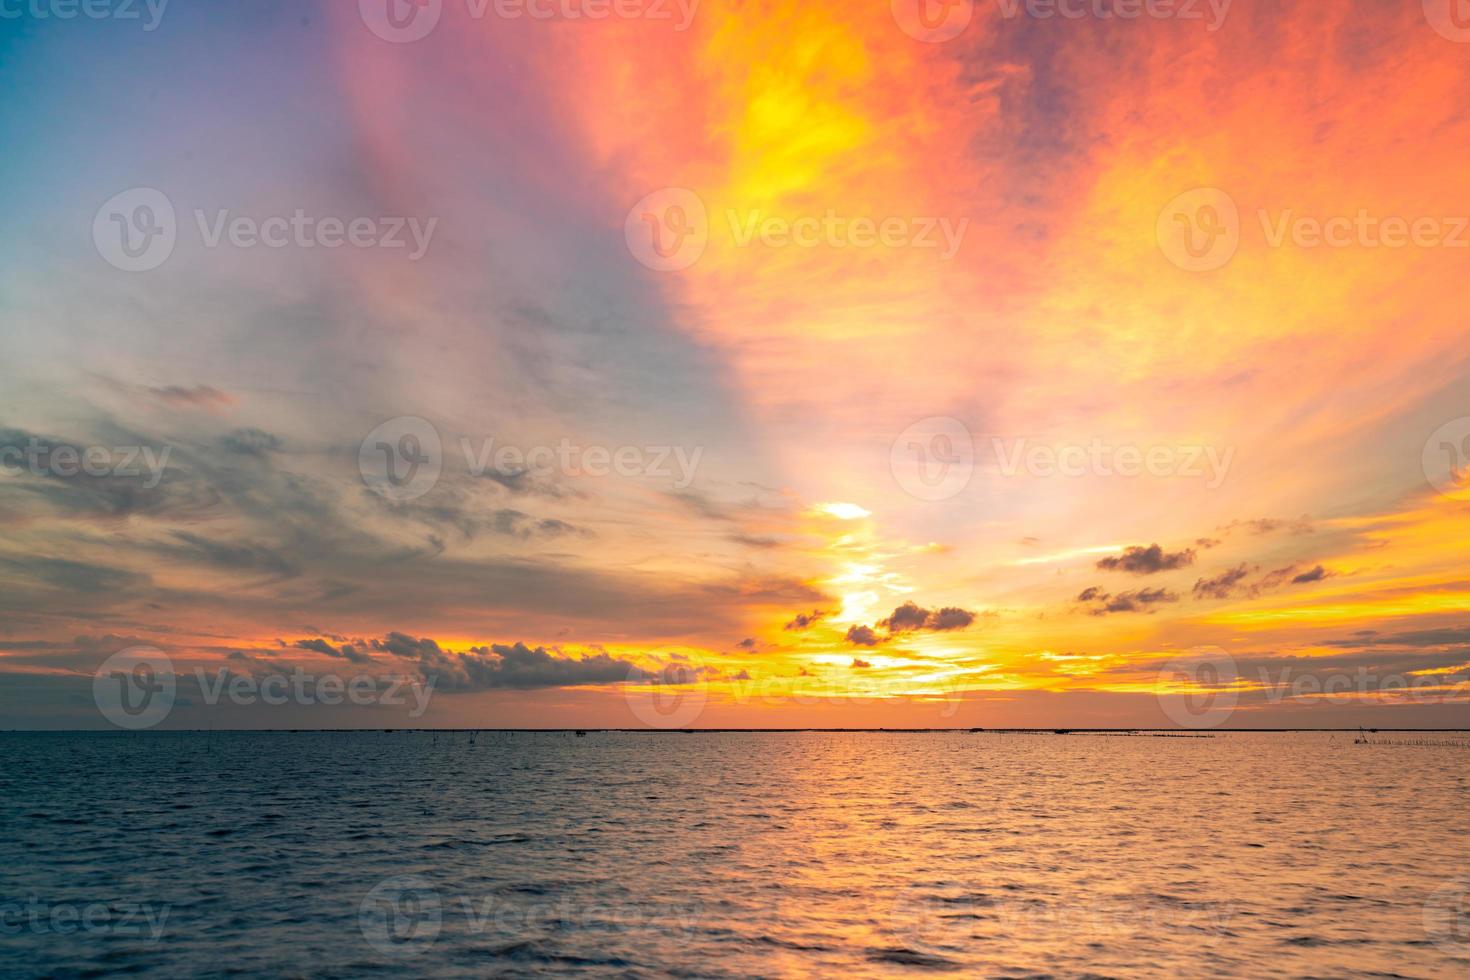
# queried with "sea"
point(733, 854)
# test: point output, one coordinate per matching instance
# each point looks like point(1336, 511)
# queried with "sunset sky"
point(883, 378)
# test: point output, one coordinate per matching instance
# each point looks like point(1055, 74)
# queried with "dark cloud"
point(1444, 637)
point(73, 576)
point(805, 620)
point(326, 535)
point(346, 652)
point(1270, 525)
point(516, 481)
point(951, 618)
point(403, 645)
point(146, 477)
point(500, 665)
point(250, 442)
point(858, 664)
point(199, 396)
point(1222, 586)
point(702, 504)
point(1232, 583)
point(910, 616)
point(554, 527)
point(1136, 601)
point(520, 667)
point(192, 547)
point(526, 482)
point(747, 644)
point(1364, 669)
point(1139, 560)
point(82, 654)
point(771, 588)
point(755, 540)
point(471, 521)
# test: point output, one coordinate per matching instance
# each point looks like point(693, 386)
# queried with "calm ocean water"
point(420, 854)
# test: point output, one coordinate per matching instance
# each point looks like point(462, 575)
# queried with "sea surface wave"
point(731, 855)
